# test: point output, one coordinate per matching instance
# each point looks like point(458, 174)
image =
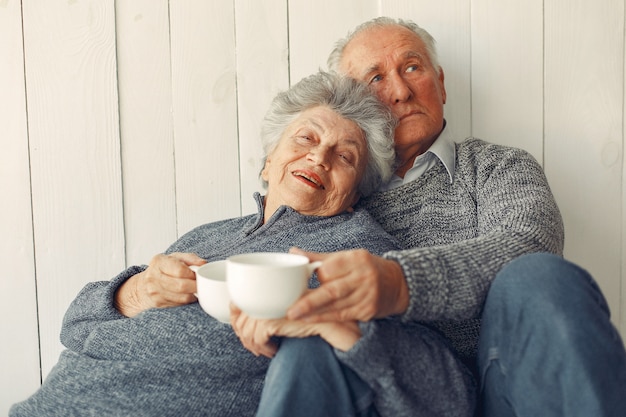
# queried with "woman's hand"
point(167, 282)
point(256, 334)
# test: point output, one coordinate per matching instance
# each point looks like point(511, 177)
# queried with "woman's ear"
point(264, 175)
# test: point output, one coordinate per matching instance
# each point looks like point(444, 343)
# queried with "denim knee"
point(546, 335)
point(306, 350)
point(543, 280)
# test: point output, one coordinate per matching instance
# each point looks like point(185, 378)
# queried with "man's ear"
point(443, 86)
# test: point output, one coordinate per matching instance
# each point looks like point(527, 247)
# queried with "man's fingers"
point(335, 301)
point(342, 311)
point(310, 302)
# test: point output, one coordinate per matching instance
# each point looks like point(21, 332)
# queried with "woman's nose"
point(319, 156)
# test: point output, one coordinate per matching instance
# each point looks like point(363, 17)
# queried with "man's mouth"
point(408, 114)
point(311, 178)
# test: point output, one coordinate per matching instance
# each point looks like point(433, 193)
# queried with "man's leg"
point(305, 378)
point(547, 346)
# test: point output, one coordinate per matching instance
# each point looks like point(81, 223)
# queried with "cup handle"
point(194, 268)
point(313, 266)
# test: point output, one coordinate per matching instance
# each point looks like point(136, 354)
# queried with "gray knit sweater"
point(498, 207)
point(181, 362)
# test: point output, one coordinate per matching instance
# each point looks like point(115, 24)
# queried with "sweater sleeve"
point(413, 375)
point(92, 306)
point(516, 214)
point(95, 304)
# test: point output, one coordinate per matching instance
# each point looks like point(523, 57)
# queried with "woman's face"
point(317, 165)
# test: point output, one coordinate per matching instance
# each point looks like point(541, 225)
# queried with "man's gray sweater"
point(461, 233)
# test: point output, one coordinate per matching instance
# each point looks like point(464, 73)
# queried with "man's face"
point(393, 61)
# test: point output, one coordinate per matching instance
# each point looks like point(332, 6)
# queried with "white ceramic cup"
point(211, 289)
point(265, 284)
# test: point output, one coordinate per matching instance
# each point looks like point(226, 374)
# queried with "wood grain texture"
point(584, 87)
point(262, 71)
point(314, 27)
point(75, 155)
point(507, 73)
point(19, 351)
point(146, 127)
point(205, 111)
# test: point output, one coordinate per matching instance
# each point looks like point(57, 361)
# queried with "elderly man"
point(471, 214)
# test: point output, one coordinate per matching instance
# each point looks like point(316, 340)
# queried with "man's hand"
point(167, 282)
point(355, 285)
point(255, 334)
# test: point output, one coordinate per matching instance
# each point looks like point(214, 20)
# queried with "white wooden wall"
point(126, 123)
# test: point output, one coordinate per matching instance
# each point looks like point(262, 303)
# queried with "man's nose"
point(398, 89)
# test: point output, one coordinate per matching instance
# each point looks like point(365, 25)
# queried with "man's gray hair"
point(349, 99)
point(334, 59)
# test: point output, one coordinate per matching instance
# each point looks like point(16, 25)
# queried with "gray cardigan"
point(181, 362)
point(460, 234)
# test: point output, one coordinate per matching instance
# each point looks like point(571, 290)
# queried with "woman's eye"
point(346, 157)
point(303, 138)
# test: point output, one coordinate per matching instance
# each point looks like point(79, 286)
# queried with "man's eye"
point(376, 78)
point(412, 68)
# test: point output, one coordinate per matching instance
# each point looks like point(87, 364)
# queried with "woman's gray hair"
point(349, 99)
point(334, 59)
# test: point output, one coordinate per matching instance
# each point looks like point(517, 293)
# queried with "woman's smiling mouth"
point(310, 178)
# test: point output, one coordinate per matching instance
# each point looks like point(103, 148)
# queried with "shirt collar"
point(444, 149)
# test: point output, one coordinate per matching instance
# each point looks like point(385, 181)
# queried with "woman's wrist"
point(341, 335)
point(126, 299)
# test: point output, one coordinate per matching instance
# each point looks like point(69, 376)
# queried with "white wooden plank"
point(315, 26)
point(262, 71)
point(622, 323)
point(143, 68)
point(205, 112)
point(584, 88)
point(19, 351)
point(448, 21)
point(507, 73)
point(75, 158)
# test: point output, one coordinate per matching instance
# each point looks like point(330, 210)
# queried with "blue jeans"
point(547, 347)
point(318, 386)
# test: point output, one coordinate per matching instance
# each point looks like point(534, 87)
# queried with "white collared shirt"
point(443, 149)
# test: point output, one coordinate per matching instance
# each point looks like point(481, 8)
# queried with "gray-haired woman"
point(141, 345)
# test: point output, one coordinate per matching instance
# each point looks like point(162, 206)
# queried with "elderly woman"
point(140, 345)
